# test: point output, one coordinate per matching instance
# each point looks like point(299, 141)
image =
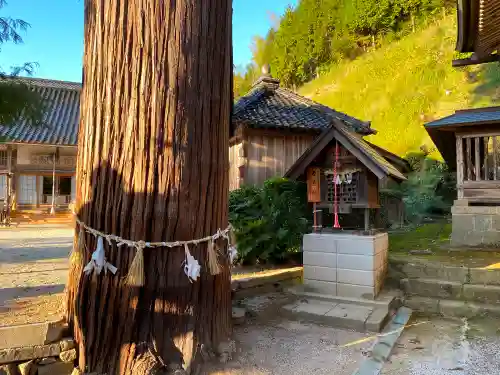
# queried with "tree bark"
point(153, 166)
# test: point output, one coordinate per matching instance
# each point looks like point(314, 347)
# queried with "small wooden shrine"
point(343, 173)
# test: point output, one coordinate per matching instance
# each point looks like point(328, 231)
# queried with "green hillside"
point(405, 84)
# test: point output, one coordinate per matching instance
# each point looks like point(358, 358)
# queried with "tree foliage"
point(318, 33)
point(17, 98)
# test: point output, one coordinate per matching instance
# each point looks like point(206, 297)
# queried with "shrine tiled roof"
point(60, 123)
point(267, 105)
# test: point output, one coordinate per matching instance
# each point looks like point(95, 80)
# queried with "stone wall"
point(38, 348)
point(475, 225)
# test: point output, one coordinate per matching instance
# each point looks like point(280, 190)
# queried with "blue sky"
point(55, 39)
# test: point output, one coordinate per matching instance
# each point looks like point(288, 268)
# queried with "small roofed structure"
point(350, 171)
point(469, 142)
point(273, 127)
point(478, 31)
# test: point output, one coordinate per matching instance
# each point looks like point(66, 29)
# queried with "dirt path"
point(33, 272)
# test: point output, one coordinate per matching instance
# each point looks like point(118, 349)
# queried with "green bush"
point(429, 188)
point(269, 221)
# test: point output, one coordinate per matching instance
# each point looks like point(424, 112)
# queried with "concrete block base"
point(475, 225)
point(345, 264)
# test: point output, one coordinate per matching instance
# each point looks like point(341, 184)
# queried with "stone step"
point(432, 288)
point(451, 308)
point(361, 318)
point(386, 298)
point(442, 289)
point(404, 268)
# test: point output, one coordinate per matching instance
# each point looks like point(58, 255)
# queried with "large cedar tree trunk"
point(152, 165)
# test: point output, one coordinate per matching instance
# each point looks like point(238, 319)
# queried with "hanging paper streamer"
point(135, 275)
point(191, 266)
point(233, 254)
point(336, 203)
point(98, 261)
point(348, 178)
point(213, 262)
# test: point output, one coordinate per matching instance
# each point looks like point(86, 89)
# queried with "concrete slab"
point(356, 291)
point(376, 320)
point(310, 310)
point(356, 316)
point(385, 299)
point(31, 334)
point(349, 316)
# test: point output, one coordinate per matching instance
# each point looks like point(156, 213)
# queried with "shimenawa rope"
point(135, 276)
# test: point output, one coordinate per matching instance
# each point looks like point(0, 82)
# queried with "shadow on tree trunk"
point(167, 324)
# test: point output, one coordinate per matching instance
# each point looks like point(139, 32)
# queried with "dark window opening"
point(47, 186)
point(65, 186)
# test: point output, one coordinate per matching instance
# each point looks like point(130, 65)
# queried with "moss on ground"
point(436, 238)
point(431, 236)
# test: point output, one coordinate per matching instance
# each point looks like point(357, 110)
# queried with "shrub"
point(269, 221)
point(429, 189)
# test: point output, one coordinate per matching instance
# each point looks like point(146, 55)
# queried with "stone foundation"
point(345, 265)
point(475, 225)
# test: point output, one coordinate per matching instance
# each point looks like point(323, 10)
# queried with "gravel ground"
point(292, 348)
point(443, 347)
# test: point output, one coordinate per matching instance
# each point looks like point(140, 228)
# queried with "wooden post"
point(52, 207)
point(37, 190)
point(315, 227)
point(486, 174)
point(477, 163)
point(468, 160)
point(9, 180)
point(494, 158)
point(460, 167)
point(367, 219)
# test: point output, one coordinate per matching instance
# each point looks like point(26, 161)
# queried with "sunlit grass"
point(405, 84)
